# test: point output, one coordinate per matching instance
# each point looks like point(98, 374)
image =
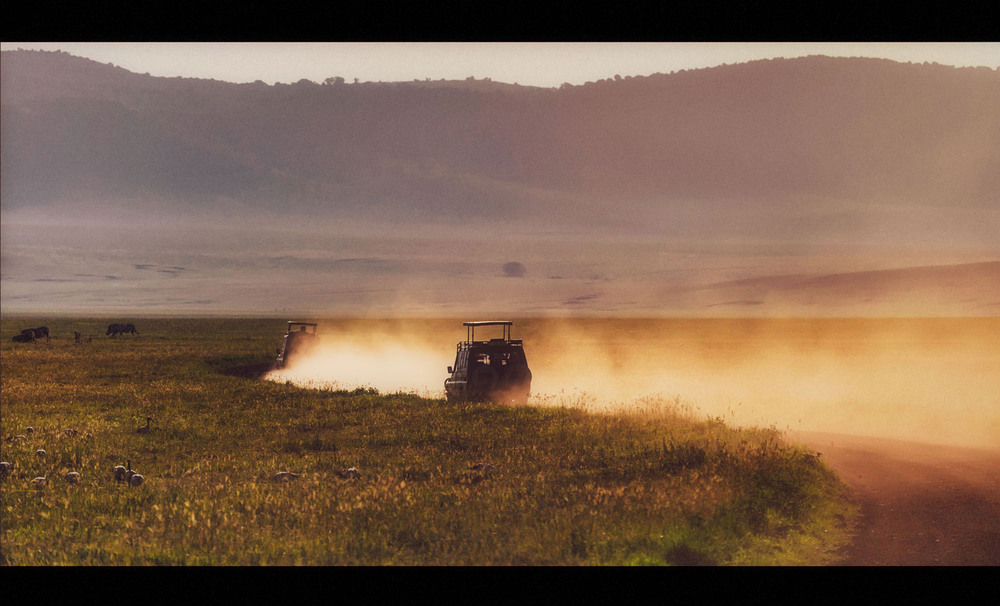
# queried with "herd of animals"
point(122, 474)
point(30, 335)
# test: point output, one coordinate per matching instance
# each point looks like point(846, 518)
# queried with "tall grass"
point(568, 486)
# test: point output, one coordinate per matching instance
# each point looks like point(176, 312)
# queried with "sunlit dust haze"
point(929, 380)
point(388, 367)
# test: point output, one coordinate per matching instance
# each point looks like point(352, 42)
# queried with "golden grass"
point(569, 486)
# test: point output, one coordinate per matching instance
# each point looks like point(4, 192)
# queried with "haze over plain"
point(811, 186)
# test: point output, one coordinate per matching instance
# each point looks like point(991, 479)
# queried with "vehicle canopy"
point(470, 331)
point(302, 327)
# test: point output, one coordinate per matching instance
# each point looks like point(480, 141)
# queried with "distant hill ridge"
point(846, 130)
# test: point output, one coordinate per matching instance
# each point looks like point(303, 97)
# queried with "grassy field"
point(651, 485)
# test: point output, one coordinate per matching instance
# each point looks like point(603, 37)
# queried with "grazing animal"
point(129, 472)
point(120, 329)
point(37, 333)
point(136, 480)
point(284, 476)
point(5, 468)
point(145, 428)
point(73, 477)
point(350, 472)
point(17, 438)
point(39, 482)
point(118, 473)
point(70, 432)
point(484, 467)
point(24, 337)
point(29, 430)
point(40, 453)
point(76, 337)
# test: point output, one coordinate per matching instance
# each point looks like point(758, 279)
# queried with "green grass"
point(652, 485)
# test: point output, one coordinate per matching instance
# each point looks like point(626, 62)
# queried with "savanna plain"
point(645, 442)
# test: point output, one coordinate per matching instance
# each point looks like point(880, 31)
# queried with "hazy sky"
point(546, 64)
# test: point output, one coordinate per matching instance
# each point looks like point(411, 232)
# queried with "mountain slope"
point(843, 131)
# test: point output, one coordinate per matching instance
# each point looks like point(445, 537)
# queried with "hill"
point(763, 135)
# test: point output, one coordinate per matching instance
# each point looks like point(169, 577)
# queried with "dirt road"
point(921, 505)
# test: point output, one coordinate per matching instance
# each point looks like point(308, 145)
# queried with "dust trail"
point(388, 367)
point(929, 380)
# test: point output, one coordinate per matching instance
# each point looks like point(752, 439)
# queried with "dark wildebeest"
point(120, 329)
point(24, 337)
point(41, 331)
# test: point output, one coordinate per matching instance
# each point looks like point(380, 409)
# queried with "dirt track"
point(921, 505)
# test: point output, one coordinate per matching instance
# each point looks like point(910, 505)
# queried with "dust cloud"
point(392, 356)
point(387, 367)
point(930, 380)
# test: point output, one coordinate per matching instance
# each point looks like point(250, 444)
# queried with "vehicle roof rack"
point(470, 331)
point(313, 325)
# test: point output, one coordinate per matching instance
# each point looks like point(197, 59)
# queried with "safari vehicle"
point(300, 338)
point(494, 370)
